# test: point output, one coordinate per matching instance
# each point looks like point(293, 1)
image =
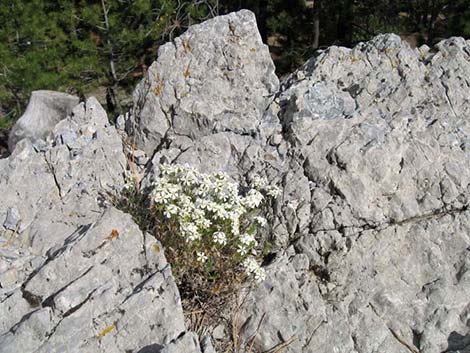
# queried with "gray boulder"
point(370, 146)
point(75, 273)
point(216, 77)
point(379, 247)
point(371, 232)
point(44, 110)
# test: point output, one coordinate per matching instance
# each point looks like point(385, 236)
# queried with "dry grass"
point(229, 315)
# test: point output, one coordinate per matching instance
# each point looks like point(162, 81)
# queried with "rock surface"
point(45, 109)
point(377, 254)
point(217, 77)
point(371, 233)
point(77, 275)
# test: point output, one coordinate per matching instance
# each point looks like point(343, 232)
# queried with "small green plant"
point(208, 226)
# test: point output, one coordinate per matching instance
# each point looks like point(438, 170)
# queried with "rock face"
point(377, 255)
point(77, 275)
point(216, 77)
point(372, 232)
point(45, 109)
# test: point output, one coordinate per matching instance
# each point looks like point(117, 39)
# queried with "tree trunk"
point(112, 99)
point(344, 24)
point(435, 9)
point(316, 24)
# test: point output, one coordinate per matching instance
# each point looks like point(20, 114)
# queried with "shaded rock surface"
point(371, 233)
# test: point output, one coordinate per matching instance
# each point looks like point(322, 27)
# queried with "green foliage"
point(68, 46)
point(208, 227)
point(289, 25)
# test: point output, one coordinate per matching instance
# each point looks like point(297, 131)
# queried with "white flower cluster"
point(129, 181)
point(261, 184)
point(209, 212)
point(253, 268)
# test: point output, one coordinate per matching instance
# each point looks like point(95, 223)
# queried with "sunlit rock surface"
point(371, 235)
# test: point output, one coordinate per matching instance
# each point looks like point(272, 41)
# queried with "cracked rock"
point(12, 219)
point(371, 233)
point(68, 283)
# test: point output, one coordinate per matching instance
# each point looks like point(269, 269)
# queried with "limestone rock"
point(380, 133)
point(45, 109)
point(216, 77)
point(371, 232)
point(76, 274)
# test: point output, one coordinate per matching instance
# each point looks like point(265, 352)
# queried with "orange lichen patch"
point(106, 330)
point(113, 235)
point(158, 89)
point(186, 73)
point(159, 85)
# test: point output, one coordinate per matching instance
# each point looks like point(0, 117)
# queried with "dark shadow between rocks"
point(458, 343)
point(4, 143)
point(153, 348)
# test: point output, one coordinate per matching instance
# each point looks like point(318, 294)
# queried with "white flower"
point(128, 186)
point(261, 221)
point(232, 189)
point(203, 204)
point(186, 203)
point(253, 199)
point(247, 239)
point(203, 222)
point(253, 268)
point(170, 210)
point(258, 182)
point(168, 169)
point(221, 212)
point(189, 177)
point(273, 191)
point(235, 223)
point(164, 191)
point(201, 257)
point(242, 250)
point(205, 187)
point(190, 232)
point(260, 275)
point(220, 238)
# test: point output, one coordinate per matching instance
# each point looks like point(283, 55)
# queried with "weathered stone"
point(381, 263)
point(45, 109)
point(371, 232)
point(216, 77)
point(78, 275)
point(12, 219)
point(187, 343)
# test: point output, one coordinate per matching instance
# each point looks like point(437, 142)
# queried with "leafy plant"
point(208, 226)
